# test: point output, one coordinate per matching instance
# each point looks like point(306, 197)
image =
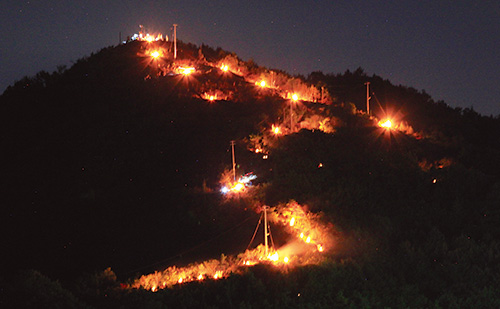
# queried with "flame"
point(262, 83)
point(155, 54)
point(303, 251)
point(186, 71)
point(387, 124)
point(295, 97)
point(276, 130)
point(292, 221)
point(224, 68)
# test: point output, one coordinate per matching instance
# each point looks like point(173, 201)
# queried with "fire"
point(239, 186)
point(155, 54)
point(276, 130)
point(262, 84)
point(295, 97)
point(186, 71)
point(385, 124)
point(224, 68)
point(292, 254)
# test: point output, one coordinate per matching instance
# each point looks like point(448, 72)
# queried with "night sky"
point(451, 49)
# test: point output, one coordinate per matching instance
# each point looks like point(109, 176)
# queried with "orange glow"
point(274, 257)
point(186, 71)
point(238, 187)
point(224, 68)
point(295, 97)
point(276, 130)
point(262, 84)
point(294, 253)
point(155, 54)
point(385, 124)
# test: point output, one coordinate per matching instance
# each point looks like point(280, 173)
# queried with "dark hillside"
point(116, 161)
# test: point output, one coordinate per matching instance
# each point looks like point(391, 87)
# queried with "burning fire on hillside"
point(311, 239)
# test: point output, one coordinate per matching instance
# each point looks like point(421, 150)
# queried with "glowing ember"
point(386, 124)
point(200, 277)
point(320, 248)
point(180, 280)
point(295, 97)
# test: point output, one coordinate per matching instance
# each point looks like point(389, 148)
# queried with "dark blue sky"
point(449, 48)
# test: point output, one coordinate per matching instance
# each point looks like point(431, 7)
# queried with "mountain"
point(117, 162)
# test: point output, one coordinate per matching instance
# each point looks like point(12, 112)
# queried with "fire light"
point(155, 54)
point(286, 260)
point(295, 97)
point(186, 71)
point(308, 239)
point(292, 221)
point(262, 84)
point(180, 280)
point(276, 130)
point(320, 248)
point(387, 124)
point(224, 68)
point(274, 257)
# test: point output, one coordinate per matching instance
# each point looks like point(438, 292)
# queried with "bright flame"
point(238, 187)
point(286, 259)
point(224, 68)
point(320, 248)
point(308, 239)
point(186, 71)
point(295, 97)
point(262, 84)
point(276, 130)
point(180, 280)
point(200, 277)
point(275, 257)
point(155, 54)
point(292, 221)
point(386, 124)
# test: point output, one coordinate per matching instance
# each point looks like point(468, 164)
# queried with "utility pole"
point(175, 41)
point(368, 97)
point(265, 231)
point(234, 162)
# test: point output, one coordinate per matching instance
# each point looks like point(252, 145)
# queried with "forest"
point(112, 170)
